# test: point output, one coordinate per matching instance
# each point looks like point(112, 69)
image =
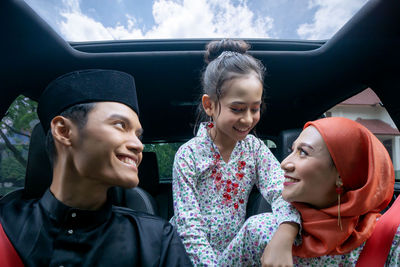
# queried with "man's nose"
point(134, 144)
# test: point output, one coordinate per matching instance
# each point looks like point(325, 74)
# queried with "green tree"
point(165, 157)
point(15, 130)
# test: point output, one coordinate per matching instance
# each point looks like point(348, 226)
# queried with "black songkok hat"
point(86, 86)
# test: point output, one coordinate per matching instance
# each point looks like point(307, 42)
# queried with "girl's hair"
point(227, 59)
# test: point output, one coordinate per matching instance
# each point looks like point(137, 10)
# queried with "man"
point(93, 141)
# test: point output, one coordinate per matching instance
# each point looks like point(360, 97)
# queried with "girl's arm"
point(188, 219)
point(279, 250)
point(270, 184)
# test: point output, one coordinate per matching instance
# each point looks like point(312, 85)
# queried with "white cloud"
point(173, 19)
point(202, 18)
point(329, 18)
point(77, 26)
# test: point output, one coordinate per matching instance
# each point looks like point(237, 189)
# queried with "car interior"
point(304, 79)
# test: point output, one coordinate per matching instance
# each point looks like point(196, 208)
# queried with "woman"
point(339, 177)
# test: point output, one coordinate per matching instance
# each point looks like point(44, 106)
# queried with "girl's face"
point(239, 110)
point(310, 175)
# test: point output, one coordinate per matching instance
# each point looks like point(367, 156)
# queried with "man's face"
point(108, 149)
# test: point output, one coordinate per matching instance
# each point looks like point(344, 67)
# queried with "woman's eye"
point(302, 152)
point(255, 110)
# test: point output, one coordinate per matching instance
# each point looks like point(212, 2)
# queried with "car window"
point(15, 130)
point(367, 109)
point(165, 158)
point(133, 19)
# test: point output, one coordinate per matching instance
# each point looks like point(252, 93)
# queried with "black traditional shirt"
point(45, 232)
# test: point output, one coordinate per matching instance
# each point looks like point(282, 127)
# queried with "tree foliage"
point(15, 129)
point(165, 157)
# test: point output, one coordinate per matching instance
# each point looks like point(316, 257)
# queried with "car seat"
point(39, 175)
point(150, 182)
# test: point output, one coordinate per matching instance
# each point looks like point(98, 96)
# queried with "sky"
point(95, 20)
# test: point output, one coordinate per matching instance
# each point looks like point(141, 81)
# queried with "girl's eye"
point(255, 110)
point(140, 137)
point(237, 110)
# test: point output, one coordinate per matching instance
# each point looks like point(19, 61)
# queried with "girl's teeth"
point(241, 130)
point(290, 180)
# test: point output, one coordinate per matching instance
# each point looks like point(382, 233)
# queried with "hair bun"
point(215, 48)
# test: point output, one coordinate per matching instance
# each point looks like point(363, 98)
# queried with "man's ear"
point(208, 104)
point(61, 128)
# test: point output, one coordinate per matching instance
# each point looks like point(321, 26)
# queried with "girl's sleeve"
point(393, 258)
point(187, 216)
point(270, 183)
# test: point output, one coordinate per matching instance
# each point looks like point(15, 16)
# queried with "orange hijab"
point(368, 181)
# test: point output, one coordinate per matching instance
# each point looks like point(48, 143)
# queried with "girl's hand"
point(278, 252)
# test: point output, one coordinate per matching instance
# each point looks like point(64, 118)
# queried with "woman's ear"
point(208, 104)
point(61, 130)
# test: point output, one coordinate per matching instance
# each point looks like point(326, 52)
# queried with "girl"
point(340, 177)
point(214, 172)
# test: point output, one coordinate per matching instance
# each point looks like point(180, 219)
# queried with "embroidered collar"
point(231, 186)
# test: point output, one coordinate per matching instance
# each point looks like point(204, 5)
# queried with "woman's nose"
point(287, 164)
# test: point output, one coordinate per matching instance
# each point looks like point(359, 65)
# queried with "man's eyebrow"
point(243, 103)
point(119, 116)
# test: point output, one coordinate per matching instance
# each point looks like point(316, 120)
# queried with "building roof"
point(378, 127)
point(366, 97)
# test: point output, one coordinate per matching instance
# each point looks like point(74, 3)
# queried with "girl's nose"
point(247, 118)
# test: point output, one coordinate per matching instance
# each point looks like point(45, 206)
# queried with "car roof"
point(304, 78)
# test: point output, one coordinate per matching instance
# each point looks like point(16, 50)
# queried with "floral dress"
point(247, 247)
point(210, 195)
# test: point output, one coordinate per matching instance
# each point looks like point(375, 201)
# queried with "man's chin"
point(127, 182)
point(132, 184)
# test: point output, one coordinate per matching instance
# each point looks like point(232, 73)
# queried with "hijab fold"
point(367, 173)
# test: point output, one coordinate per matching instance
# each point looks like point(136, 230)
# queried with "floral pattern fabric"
point(247, 247)
point(210, 195)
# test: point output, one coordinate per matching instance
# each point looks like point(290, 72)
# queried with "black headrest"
point(285, 141)
point(148, 173)
point(38, 170)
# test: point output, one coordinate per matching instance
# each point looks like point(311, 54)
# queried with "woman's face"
point(310, 175)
